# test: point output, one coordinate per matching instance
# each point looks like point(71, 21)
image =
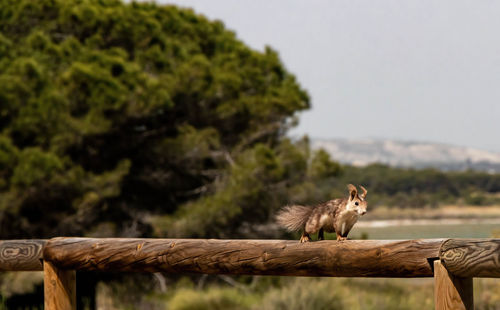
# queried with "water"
point(467, 230)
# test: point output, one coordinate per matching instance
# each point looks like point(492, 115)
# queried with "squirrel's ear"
point(352, 191)
point(364, 192)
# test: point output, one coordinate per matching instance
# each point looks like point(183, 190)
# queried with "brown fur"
point(337, 215)
point(293, 218)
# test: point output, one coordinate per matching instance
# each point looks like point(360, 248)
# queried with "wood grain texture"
point(59, 288)
point(353, 258)
point(450, 292)
point(471, 257)
point(21, 255)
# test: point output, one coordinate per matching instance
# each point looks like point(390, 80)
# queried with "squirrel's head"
point(357, 202)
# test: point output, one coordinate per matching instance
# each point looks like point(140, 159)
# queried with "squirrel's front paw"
point(339, 238)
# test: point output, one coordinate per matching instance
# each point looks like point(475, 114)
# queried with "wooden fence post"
point(451, 292)
point(59, 288)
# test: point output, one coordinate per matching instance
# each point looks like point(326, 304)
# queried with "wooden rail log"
point(357, 258)
point(21, 255)
point(471, 257)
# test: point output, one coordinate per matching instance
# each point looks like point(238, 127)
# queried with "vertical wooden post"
point(451, 292)
point(59, 288)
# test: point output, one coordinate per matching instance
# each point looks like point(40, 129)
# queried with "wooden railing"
point(452, 262)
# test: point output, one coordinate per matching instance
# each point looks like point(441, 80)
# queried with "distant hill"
point(409, 154)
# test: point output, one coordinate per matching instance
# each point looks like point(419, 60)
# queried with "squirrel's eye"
point(356, 203)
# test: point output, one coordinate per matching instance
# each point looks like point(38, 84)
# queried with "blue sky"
point(407, 70)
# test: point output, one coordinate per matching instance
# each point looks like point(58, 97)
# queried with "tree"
point(113, 116)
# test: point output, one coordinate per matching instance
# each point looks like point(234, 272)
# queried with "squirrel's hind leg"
point(321, 234)
point(305, 237)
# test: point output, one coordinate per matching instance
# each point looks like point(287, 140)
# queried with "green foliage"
point(260, 181)
point(8, 155)
point(302, 295)
point(119, 113)
point(213, 298)
point(322, 166)
point(13, 283)
point(35, 166)
point(312, 293)
point(412, 188)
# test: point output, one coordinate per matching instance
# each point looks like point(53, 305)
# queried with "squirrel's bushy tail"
point(293, 217)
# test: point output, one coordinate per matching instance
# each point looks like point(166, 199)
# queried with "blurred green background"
point(140, 120)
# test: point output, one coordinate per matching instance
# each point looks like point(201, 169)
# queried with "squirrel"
point(336, 215)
